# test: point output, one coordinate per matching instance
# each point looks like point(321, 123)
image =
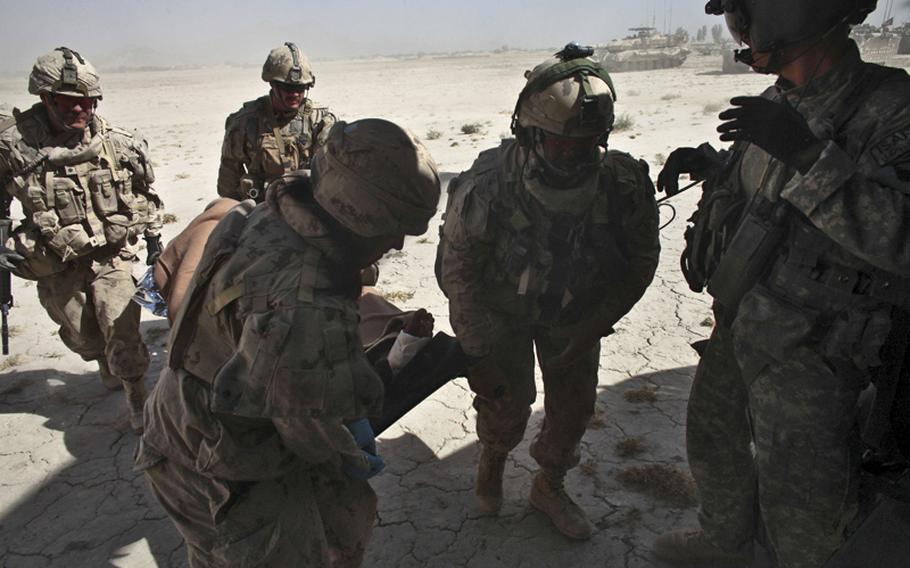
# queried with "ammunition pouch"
point(749, 254)
point(72, 241)
point(808, 279)
point(39, 261)
point(710, 227)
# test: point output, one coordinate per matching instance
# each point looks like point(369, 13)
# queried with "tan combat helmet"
point(376, 179)
point(286, 64)
point(568, 95)
point(64, 72)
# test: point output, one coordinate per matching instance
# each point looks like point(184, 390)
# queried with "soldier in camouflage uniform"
point(274, 134)
point(547, 242)
point(803, 238)
point(256, 440)
point(85, 189)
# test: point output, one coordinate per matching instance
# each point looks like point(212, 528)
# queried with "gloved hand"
point(485, 377)
point(366, 441)
point(9, 259)
point(152, 249)
point(583, 337)
point(700, 163)
point(776, 128)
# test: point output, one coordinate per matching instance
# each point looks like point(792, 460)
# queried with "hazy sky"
point(129, 32)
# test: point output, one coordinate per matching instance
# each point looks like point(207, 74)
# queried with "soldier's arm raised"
point(862, 202)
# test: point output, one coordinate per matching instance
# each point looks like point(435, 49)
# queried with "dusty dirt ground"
point(69, 496)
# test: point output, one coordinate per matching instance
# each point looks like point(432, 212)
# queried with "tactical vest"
point(239, 365)
point(78, 202)
point(277, 149)
point(736, 240)
point(547, 267)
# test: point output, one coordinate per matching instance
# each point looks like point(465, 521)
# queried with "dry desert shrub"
point(433, 134)
point(631, 447)
point(623, 122)
point(10, 361)
point(670, 96)
point(398, 296)
point(169, 218)
point(662, 482)
point(641, 396)
point(472, 128)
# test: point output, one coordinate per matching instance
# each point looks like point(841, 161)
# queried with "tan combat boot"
point(549, 496)
point(692, 547)
point(488, 486)
point(134, 389)
point(110, 381)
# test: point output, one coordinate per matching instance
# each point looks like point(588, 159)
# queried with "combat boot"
point(134, 389)
point(488, 486)
point(110, 381)
point(549, 497)
point(692, 547)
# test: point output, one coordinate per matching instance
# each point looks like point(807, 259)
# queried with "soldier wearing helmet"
point(274, 134)
point(801, 237)
point(548, 240)
point(257, 443)
point(85, 189)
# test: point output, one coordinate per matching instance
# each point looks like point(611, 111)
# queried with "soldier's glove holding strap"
point(775, 127)
point(486, 378)
point(9, 259)
point(700, 163)
point(366, 441)
point(152, 249)
point(583, 337)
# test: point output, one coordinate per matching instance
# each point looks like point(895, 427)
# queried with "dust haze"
point(167, 34)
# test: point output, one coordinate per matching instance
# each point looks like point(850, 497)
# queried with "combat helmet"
point(569, 95)
point(64, 72)
point(376, 179)
point(773, 25)
point(286, 64)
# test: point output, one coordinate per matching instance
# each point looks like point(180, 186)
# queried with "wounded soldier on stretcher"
point(412, 362)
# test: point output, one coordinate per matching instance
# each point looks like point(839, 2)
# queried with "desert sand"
point(69, 496)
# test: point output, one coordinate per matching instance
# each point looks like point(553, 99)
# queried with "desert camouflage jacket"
point(257, 150)
point(83, 194)
point(845, 260)
point(504, 259)
point(266, 363)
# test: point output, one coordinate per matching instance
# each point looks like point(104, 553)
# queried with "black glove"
point(776, 128)
point(700, 163)
point(9, 259)
point(152, 249)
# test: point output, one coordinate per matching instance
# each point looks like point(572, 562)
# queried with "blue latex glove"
point(366, 441)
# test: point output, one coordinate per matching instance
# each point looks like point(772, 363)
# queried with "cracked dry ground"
point(70, 497)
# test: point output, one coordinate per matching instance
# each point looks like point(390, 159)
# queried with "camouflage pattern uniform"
point(511, 286)
point(785, 370)
point(247, 444)
point(252, 422)
point(258, 149)
point(87, 198)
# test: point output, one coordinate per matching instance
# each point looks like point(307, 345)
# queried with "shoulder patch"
point(892, 146)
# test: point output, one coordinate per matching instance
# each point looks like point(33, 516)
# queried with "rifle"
point(6, 280)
